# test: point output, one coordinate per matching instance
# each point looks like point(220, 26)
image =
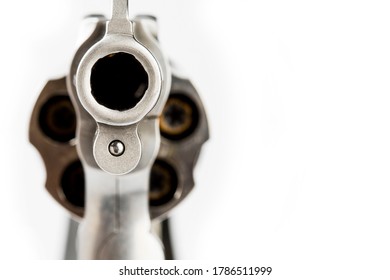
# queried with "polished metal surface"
point(180, 153)
point(117, 224)
point(121, 168)
point(114, 122)
point(116, 148)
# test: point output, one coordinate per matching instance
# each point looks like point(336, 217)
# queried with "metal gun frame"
point(117, 162)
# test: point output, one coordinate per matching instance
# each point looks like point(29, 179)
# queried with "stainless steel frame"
point(115, 221)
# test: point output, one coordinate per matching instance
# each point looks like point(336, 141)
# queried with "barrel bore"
point(118, 81)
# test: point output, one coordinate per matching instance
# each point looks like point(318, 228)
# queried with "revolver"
point(120, 136)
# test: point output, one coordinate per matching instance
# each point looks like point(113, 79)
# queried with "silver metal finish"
point(120, 37)
point(120, 17)
point(114, 43)
point(118, 225)
point(116, 222)
point(112, 164)
point(117, 149)
point(70, 249)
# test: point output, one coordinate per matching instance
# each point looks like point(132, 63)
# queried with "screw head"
point(116, 148)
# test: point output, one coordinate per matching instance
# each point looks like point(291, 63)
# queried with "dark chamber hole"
point(180, 117)
point(57, 119)
point(73, 184)
point(163, 183)
point(118, 81)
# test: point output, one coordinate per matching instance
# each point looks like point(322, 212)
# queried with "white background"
point(297, 171)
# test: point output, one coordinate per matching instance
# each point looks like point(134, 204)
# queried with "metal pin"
point(116, 148)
